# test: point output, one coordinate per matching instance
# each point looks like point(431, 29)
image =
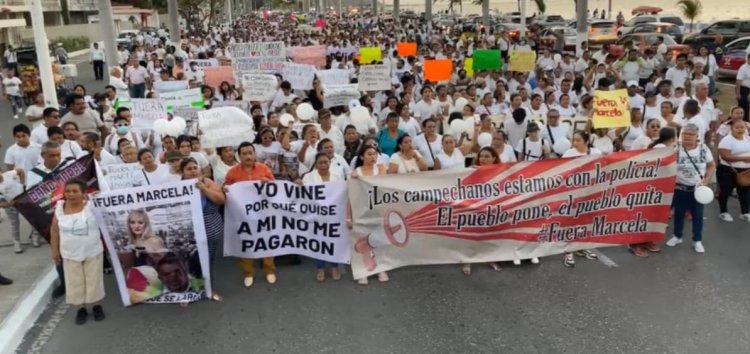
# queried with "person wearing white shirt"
point(533, 147)
point(429, 143)
point(705, 104)
point(69, 149)
point(122, 131)
point(695, 167)
point(601, 55)
point(582, 63)
point(555, 130)
point(115, 80)
point(734, 150)
point(51, 119)
point(97, 58)
point(742, 86)
point(12, 85)
point(328, 131)
point(283, 96)
point(679, 74)
point(10, 58)
point(427, 107)
point(650, 134)
point(35, 112)
point(24, 153)
point(691, 115)
point(634, 99)
point(137, 77)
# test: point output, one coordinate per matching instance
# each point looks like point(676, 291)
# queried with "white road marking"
point(49, 328)
point(606, 260)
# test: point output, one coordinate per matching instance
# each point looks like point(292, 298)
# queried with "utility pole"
point(42, 54)
point(522, 32)
point(229, 11)
point(108, 32)
point(582, 26)
point(174, 24)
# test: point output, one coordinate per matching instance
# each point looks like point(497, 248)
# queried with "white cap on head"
point(632, 83)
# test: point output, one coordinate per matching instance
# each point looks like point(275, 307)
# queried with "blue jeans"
point(322, 265)
point(138, 91)
point(683, 202)
point(711, 87)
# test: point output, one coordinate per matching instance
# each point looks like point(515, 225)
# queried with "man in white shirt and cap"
point(97, 57)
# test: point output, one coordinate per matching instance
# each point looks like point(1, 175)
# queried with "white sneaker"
point(17, 247)
point(674, 241)
point(745, 217)
point(15, 116)
point(383, 277)
point(535, 260)
point(698, 247)
point(516, 262)
point(271, 278)
point(362, 281)
point(727, 217)
point(35, 239)
point(248, 282)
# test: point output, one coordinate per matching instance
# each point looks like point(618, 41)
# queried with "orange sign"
point(438, 69)
point(406, 49)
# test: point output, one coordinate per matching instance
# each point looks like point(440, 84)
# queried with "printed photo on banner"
point(279, 218)
point(510, 211)
point(37, 204)
point(158, 235)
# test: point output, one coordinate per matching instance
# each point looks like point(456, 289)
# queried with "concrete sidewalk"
point(33, 280)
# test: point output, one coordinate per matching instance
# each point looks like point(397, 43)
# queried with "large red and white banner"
point(510, 211)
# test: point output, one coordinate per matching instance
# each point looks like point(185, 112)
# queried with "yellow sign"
point(370, 55)
point(611, 109)
point(522, 60)
point(469, 67)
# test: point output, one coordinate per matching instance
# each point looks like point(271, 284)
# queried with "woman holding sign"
point(212, 198)
point(321, 173)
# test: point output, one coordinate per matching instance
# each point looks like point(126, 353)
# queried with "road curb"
point(23, 316)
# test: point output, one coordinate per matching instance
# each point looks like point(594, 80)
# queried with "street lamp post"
point(42, 54)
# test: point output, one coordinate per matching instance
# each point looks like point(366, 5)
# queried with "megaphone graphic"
point(392, 232)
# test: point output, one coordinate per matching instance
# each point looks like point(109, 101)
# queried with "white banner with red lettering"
point(510, 211)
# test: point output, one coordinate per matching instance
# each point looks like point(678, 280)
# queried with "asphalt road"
point(674, 302)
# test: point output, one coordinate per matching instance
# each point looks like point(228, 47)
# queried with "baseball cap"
point(632, 83)
point(174, 155)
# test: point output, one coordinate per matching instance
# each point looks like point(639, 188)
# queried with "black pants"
point(727, 179)
point(743, 101)
point(98, 69)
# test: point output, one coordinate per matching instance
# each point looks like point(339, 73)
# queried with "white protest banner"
point(145, 111)
point(166, 261)
point(339, 95)
point(124, 175)
point(266, 57)
point(333, 76)
point(170, 86)
point(224, 126)
point(510, 211)
point(374, 77)
point(279, 218)
point(313, 55)
point(259, 87)
point(202, 63)
point(301, 76)
point(242, 105)
point(184, 98)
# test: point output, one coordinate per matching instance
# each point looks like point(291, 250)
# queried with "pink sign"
point(312, 55)
point(216, 75)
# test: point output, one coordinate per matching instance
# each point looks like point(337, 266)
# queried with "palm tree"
point(541, 6)
point(485, 11)
point(451, 5)
point(691, 9)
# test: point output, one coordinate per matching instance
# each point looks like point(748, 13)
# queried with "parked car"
point(734, 56)
point(512, 29)
point(641, 19)
point(602, 31)
point(641, 41)
point(729, 30)
point(547, 38)
point(660, 27)
point(549, 21)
